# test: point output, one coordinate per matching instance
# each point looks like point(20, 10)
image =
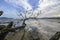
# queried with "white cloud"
point(18, 3)
point(45, 3)
point(23, 3)
point(49, 7)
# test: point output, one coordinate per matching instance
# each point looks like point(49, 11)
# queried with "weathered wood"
point(56, 36)
point(2, 26)
point(5, 31)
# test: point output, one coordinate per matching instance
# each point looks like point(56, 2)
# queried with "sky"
point(48, 8)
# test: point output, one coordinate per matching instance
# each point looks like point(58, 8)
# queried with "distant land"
point(5, 18)
point(50, 18)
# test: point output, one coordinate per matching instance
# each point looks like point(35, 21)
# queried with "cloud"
point(24, 4)
point(48, 7)
point(18, 3)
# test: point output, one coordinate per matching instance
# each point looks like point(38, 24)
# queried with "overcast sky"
point(49, 8)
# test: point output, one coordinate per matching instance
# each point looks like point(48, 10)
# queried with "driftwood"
point(56, 36)
point(2, 26)
point(6, 30)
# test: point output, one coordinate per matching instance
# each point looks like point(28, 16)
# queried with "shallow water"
point(47, 27)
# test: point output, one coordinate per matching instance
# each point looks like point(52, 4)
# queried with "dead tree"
point(5, 31)
point(26, 16)
point(56, 36)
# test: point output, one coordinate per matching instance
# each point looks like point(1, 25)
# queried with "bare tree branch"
point(1, 12)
